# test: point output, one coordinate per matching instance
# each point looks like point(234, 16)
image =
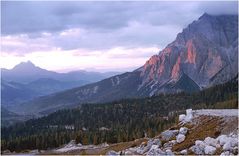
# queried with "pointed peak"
point(205, 16)
point(27, 64)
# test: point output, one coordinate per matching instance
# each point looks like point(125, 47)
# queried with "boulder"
point(227, 147)
point(183, 130)
point(211, 141)
point(154, 152)
point(169, 145)
point(200, 143)
point(184, 152)
point(189, 112)
point(227, 142)
point(210, 150)
point(150, 142)
point(142, 149)
point(189, 115)
point(222, 139)
point(112, 153)
point(169, 152)
point(156, 142)
point(168, 134)
point(180, 138)
point(198, 149)
point(181, 117)
point(226, 153)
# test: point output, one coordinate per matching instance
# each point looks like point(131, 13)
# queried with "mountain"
point(27, 81)
point(205, 50)
point(26, 72)
point(203, 54)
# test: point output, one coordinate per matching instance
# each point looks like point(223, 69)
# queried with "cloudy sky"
point(102, 36)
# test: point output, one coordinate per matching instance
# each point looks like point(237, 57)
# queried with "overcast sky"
point(102, 36)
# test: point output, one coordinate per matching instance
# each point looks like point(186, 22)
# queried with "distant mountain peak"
point(27, 64)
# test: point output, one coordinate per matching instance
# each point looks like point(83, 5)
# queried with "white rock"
point(128, 152)
point(226, 153)
point(181, 117)
point(199, 150)
point(200, 143)
point(209, 150)
point(112, 153)
point(173, 142)
point(169, 152)
point(227, 142)
point(180, 138)
point(188, 117)
point(189, 112)
point(222, 139)
point(154, 147)
point(227, 147)
point(150, 142)
point(211, 141)
point(183, 130)
point(169, 145)
point(168, 134)
point(156, 151)
point(234, 142)
point(184, 152)
point(157, 142)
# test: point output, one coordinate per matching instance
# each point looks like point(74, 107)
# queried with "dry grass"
point(102, 151)
point(205, 127)
point(202, 127)
point(123, 145)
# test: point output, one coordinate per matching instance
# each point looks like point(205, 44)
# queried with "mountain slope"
point(200, 55)
point(12, 93)
point(47, 86)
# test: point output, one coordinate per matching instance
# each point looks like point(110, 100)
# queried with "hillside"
point(204, 54)
point(206, 132)
point(114, 122)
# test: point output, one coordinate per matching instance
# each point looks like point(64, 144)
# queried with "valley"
point(159, 78)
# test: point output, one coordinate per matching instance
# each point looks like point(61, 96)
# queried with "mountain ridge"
point(198, 53)
point(26, 72)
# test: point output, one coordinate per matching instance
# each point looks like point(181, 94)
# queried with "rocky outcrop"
point(206, 51)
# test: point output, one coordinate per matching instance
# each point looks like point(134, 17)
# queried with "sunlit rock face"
point(206, 51)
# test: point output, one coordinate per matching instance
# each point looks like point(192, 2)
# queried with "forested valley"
point(113, 122)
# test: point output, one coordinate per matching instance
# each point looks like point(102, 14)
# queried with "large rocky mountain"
point(203, 54)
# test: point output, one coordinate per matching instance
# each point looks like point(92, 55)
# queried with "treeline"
point(118, 121)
